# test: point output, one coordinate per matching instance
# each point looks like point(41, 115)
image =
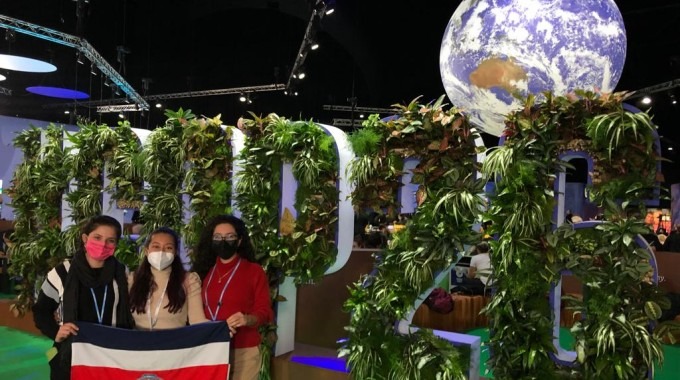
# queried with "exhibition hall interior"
point(322, 68)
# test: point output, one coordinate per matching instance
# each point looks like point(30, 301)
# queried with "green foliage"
point(91, 146)
point(125, 169)
point(26, 262)
point(449, 201)
point(306, 248)
point(164, 171)
point(614, 341)
point(208, 151)
point(302, 248)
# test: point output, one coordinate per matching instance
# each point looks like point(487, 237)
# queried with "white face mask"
point(160, 260)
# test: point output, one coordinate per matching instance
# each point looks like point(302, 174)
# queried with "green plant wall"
point(450, 199)
point(614, 340)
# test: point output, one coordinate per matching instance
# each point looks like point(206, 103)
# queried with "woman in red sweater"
point(235, 289)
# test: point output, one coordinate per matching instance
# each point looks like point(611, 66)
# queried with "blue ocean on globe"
point(493, 49)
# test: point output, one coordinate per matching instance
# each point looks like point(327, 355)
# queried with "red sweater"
point(247, 292)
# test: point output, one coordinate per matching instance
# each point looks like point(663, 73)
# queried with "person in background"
point(480, 268)
point(162, 294)
point(137, 223)
point(235, 289)
point(91, 287)
point(672, 243)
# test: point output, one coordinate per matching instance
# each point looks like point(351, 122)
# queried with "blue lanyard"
point(213, 316)
point(100, 316)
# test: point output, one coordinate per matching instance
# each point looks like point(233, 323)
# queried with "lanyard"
point(152, 322)
point(213, 316)
point(100, 316)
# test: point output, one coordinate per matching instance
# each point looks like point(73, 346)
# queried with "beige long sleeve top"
point(192, 311)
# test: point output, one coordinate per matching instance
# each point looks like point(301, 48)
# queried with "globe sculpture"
point(494, 49)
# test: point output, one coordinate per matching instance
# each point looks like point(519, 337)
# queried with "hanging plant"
point(25, 204)
point(207, 182)
point(449, 201)
point(164, 172)
point(528, 254)
point(125, 170)
point(92, 145)
point(302, 248)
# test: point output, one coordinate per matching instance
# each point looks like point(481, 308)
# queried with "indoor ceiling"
point(377, 52)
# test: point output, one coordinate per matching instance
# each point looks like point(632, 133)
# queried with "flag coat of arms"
point(199, 351)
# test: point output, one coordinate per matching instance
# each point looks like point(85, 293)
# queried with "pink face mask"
point(98, 250)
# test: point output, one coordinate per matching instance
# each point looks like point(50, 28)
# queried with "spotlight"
point(66, 112)
point(79, 58)
point(121, 116)
point(313, 44)
point(242, 98)
point(93, 69)
point(302, 76)
point(107, 83)
point(158, 105)
point(646, 100)
point(674, 100)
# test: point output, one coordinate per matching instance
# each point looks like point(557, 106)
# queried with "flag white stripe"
point(204, 355)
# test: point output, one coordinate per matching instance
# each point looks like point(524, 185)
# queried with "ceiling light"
point(30, 65)
point(57, 92)
point(646, 100)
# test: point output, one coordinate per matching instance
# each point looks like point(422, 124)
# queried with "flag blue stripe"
point(136, 340)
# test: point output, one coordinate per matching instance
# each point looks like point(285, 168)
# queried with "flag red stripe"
point(81, 372)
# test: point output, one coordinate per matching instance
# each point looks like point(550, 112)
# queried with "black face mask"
point(225, 250)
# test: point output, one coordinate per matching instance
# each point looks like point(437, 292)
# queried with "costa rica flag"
point(199, 351)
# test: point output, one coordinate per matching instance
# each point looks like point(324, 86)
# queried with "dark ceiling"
point(379, 52)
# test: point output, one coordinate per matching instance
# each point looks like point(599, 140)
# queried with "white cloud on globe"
point(494, 48)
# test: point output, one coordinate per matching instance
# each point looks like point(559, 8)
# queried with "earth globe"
point(495, 50)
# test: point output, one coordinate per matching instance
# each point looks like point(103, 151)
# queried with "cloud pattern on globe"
point(494, 48)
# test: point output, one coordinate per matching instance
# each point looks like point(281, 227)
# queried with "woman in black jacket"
point(91, 287)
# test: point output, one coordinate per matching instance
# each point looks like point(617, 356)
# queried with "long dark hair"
point(144, 283)
point(203, 258)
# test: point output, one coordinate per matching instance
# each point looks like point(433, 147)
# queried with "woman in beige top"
point(163, 295)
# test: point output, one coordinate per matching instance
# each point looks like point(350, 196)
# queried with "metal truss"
point(176, 95)
point(333, 107)
point(656, 88)
point(5, 91)
point(81, 45)
point(347, 122)
point(118, 108)
point(223, 91)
